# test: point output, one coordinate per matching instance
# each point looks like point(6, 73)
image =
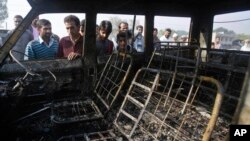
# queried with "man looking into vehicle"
point(45, 46)
point(139, 39)
point(104, 46)
point(71, 46)
point(166, 37)
point(19, 48)
point(246, 46)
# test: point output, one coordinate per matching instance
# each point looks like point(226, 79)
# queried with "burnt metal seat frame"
point(108, 85)
point(187, 104)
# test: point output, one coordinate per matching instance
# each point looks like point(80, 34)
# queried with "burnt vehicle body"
point(67, 100)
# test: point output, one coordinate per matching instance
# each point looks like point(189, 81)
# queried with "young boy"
point(104, 46)
point(123, 42)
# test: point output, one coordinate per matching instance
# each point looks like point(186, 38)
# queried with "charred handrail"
point(216, 107)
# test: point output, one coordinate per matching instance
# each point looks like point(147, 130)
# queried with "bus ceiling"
point(169, 7)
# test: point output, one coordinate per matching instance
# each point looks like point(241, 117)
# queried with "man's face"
point(123, 27)
point(155, 32)
point(247, 42)
point(45, 31)
point(72, 29)
point(217, 40)
point(17, 21)
point(167, 34)
point(139, 30)
point(103, 34)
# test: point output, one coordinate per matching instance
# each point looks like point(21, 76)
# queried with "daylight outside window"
point(231, 31)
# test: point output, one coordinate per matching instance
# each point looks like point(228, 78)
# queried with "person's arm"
point(29, 53)
point(78, 52)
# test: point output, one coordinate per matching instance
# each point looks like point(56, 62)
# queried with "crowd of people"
point(242, 45)
point(39, 42)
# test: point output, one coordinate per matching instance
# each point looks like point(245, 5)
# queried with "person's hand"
point(73, 55)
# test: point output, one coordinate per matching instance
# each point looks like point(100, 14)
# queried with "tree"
point(224, 30)
point(3, 11)
point(242, 36)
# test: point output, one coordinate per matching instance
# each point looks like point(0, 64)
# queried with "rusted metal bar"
point(216, 107)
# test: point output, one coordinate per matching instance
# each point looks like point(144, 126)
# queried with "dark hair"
point(155, 29)
point(72, 18)
point(169, 30)
point(122, 23)
point(139, 26)
point(120, 35)
point(126, 34)
point(106, 25)
point(42, 22)
point(18, 16)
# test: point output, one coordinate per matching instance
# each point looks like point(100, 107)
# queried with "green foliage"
point(181, 32)
point(3, 10)
point(237, 36)
point(160, 32)
point(242, 36)
point(224, 30)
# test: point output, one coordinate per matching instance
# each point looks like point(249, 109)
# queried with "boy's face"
point(103, 34)
point(122, 43)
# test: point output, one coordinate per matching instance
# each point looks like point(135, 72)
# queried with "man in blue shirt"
point(45, 46)
point(139, 39)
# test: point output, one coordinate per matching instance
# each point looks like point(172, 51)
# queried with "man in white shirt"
point(166, 37)
point(246, 46)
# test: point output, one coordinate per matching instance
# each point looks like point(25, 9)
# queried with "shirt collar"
point(42, 41)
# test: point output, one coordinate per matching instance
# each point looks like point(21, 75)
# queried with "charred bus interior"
point(190, 92)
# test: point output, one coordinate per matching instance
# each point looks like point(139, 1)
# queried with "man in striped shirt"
point(45, 46)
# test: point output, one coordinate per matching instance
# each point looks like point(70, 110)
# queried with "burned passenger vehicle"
point(173, 92)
